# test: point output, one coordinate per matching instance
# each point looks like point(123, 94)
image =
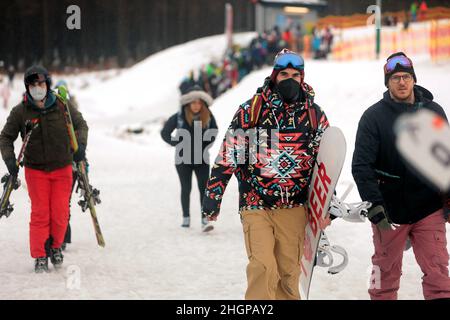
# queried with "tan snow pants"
point(274, 244)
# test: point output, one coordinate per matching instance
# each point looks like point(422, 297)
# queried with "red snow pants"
point(49, 194)
point(428, 240)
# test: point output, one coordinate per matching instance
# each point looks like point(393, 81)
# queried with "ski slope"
point(147, 254)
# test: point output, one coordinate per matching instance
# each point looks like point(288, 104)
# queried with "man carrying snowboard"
point(274, 180)
point(402, 205)
point(48, 163)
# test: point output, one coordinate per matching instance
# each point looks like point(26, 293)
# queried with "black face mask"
point(289, 90)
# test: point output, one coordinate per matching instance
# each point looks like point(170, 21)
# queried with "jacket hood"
point(194, 94)
point(424, 93)
point(37, 70)
point(421, 94)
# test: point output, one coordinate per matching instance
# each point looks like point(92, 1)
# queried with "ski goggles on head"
point(36, 77)
point(283, 61)
point(404, 61)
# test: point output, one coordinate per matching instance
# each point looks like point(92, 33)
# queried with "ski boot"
point(206, 225)
point(41, 265)
point(186, 222)
point(56, 257)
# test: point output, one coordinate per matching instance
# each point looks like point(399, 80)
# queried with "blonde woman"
point(196, 130)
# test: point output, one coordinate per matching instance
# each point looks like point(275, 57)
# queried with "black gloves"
point(80, 155)
point(11, 164)
point(377, 215)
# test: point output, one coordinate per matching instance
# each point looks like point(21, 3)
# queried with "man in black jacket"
point(402, 205)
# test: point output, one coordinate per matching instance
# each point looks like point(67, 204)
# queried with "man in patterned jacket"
point(271, 146)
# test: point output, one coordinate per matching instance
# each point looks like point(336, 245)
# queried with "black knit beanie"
point(398, 68)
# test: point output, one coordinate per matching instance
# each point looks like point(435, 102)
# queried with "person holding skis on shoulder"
point(197, 128)
point(402, 205)
point(273, 180)
point(47, 161)
point(72, 98)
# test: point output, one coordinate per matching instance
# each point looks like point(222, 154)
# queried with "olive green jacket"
point(49, 145)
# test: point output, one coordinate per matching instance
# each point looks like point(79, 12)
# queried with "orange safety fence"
point(431, 38)
point(360, 19)
point(440, 40)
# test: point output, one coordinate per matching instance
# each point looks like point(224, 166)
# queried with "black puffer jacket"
point(178, 121)
point(378, 169)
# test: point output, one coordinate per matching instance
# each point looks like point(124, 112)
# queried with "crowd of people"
point(418, 11)
point(415, 13)
point(218, 76)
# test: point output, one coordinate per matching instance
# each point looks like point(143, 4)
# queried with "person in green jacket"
point(47, 160)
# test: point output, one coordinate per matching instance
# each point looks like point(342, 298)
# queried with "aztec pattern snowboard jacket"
point(273, 165)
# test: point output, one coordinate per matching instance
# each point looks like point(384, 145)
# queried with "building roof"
point(295, 2)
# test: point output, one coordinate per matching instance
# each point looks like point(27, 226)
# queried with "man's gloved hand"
point(80, 155)
point(209, 214)
point(210, 207)
point(11, 164)
point(213, 217)
point(377, 215)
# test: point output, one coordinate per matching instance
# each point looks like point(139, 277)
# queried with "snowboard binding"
point(84, 203)
point(9, 208)
point(5, 179)
point(351, 212)
point(325, 258)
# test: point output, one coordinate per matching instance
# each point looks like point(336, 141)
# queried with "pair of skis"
point(90, 196)
point(12, 182)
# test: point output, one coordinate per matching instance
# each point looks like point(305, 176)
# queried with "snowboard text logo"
point(318, 197)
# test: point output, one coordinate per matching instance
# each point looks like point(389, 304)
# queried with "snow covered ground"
point(147, 254)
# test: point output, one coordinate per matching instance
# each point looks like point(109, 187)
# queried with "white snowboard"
point(327, 169)
point(423, 139)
